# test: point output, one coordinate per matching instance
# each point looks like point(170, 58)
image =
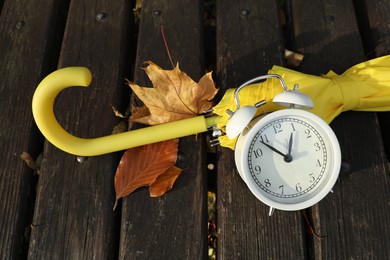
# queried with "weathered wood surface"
point(27, 40)
point(330, 39)
point(173, 226)
point(348, 218)
point(73, 215)
point(248, 44)
point(375, 32)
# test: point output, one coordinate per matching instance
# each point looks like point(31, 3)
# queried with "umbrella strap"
point(349, 92)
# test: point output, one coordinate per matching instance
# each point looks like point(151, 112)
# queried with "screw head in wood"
point(101, 16)
point(244, 12)
point(156, 13)
point(20, 24)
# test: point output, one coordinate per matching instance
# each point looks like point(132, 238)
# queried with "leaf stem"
point(166, 46)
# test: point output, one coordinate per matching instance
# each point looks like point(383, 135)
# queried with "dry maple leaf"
point(293, 59)
point(164, 182)
point(25, 156)
point(141, 166)
point(174, 96)
point(139, 112)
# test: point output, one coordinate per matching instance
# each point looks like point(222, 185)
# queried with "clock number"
point(298, 187)
point(317, 146)
point(293, 127)
point(312, 178)
point(264, 139)
point(258, 153)
point(318, 163)
point(267, 183)
point(308, 133)
point(277, 128)
point(282, 188)
point(257, 169)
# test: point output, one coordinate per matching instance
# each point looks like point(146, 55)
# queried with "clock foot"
point(271, 211)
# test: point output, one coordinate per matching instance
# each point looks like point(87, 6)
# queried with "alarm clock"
point(290, 159)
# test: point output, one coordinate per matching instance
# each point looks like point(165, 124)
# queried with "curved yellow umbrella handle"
point(42, 107)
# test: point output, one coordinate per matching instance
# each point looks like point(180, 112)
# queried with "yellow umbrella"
point(363, 87)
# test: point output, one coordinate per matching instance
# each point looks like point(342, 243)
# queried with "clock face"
point(290, 159)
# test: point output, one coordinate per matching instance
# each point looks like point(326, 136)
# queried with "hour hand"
point(273, 149)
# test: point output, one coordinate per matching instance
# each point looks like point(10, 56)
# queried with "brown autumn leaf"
point(26, 157)
point(140, 166)
point(164, 182)
point(139, 112)
point(293, 59)
point(174, 96)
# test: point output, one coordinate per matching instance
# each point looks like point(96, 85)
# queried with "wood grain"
point(173, 226)
point(347, 218)
point(248, 44)
point(25, 27)
point(69, 212)
point(375, 31)
point(73, 216)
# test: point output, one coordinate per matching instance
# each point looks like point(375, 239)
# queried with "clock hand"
point(290, 144)
point(288, 157)
point(273, 149)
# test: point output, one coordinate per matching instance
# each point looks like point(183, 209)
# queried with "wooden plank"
point(172, 226)
point(360, 205)
point(355, 219)
point(374, 21)
point(378, 36)
point(326, 31)
point(374, 25)
point(73, 215)
point(248, 44)
point(1, 5)
point(24, 26)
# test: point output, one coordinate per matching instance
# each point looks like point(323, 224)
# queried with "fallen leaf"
point(140, 166)
point(164, 182)
point(139, 112)
point(381, 48)
point(117, 113)
point(26, 157)
point(293, 59)
point(120, 128)
point(174, 96)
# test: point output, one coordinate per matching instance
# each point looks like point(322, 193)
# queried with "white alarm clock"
point(290, 159)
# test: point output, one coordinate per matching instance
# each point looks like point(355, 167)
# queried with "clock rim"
point(242, 145)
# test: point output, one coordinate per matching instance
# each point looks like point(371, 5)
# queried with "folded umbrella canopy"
point(363, 87)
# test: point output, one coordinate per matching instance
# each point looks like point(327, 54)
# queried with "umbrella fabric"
point(363, 87)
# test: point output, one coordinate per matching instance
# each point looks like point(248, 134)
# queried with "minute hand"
point(273, 149)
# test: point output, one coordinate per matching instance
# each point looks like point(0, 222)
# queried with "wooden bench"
point(66, 210)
